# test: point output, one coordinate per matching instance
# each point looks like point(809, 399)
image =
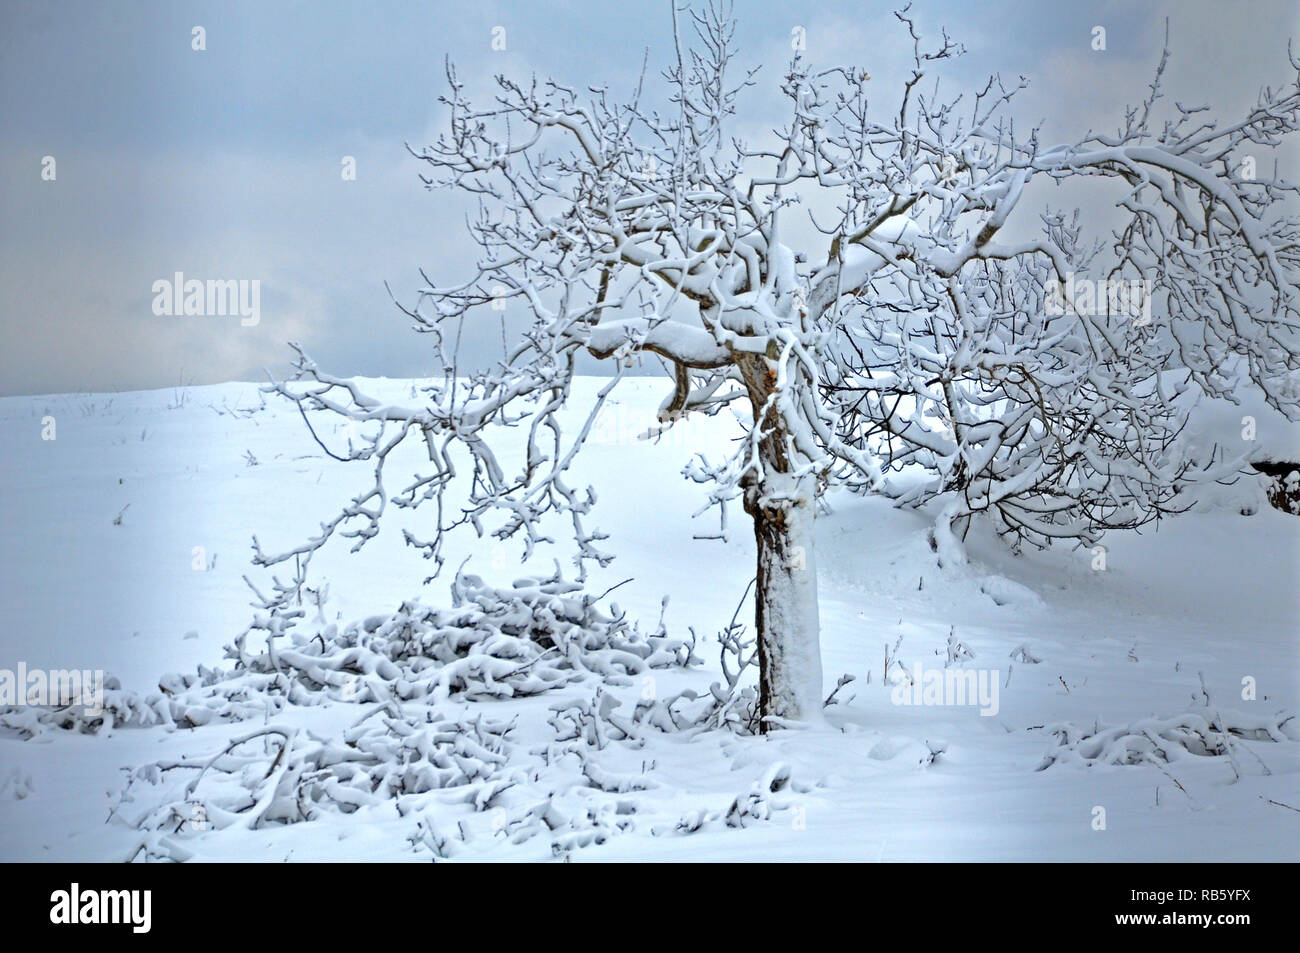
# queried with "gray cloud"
point(225, 163)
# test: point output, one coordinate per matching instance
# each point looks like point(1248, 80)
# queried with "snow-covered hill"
point(126, 538)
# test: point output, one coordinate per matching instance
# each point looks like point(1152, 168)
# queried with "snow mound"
point(1005, 592)
point(1248, 430)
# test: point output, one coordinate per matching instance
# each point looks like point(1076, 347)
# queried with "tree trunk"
point(783, 507)
point(785, 612)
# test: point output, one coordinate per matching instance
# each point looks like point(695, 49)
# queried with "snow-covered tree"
point(1046, 382)
point(630, 232)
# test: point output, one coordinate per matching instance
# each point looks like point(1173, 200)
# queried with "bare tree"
point(626, 231)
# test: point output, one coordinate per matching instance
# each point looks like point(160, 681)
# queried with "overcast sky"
point(225, 163)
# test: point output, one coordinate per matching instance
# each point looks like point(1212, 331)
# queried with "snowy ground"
point(1211, 595)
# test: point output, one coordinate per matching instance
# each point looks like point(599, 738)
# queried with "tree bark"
point(785, 613)
point(782, 505)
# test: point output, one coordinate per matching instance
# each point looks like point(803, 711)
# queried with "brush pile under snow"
point(1159, 741)
point(538, 635)
point(447, 730)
